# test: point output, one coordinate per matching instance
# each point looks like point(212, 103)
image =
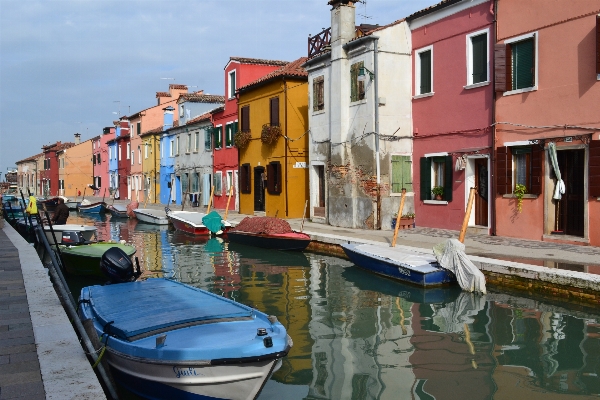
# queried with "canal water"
point(359, 336)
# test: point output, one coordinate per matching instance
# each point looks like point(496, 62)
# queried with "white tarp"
point(451, 256)
point(559, 190)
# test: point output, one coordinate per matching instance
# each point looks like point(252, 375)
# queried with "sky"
point(71, 67)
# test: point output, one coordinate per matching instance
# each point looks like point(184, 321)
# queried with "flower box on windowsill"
point(405, 223)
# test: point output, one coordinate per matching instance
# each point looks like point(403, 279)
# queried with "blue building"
point(113, 162)
point(168, 150)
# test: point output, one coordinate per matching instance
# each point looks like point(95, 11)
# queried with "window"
point(196, 141)
point(424, 71)
point(177, 146)
point(132, 130)
point(231, 81)
point(146, 145)
point(229, 181)
point(110, 153)
point(207, 139)
point(139, 128)
point(245, 119)
point(93, 159)
point(181, 111)
point(477, 58)
point(522, 166)
point(218, 132)
point(274, 111)
point(120, 150)
point(139, 155)
point(132, 154)
point(185, 184)
point(357, 88)
point(401, 174)
point(245, 178)
point(319, 93)
point(230, 130)
point(188, 144)
point(128, 150)
point(519, 164)
point(217, 182)
point(516, 64)
point(436, 171)
point(195, 182)
point(172, 148)
point(274, 177)
point(99, 161)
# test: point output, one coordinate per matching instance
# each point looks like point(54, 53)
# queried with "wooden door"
point(481, 196)
point(571, 206)
point(259, 189)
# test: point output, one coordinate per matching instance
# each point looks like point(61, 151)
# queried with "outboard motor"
point(72, 238)
point(116, 265)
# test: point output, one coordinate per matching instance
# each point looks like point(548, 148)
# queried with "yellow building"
point(75, 168)
point(151, 164)
point(273, 143)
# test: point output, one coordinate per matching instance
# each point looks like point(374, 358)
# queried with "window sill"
point(476, 85)
point(511, 92)
point(358, 102)
point(420, 96)
point(400, 194)
point(525, 196)
point(187, 152)
point(318, 112)
point(438, 202)
point(196, 152)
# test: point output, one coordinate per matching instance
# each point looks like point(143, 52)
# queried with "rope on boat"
point(99, 357)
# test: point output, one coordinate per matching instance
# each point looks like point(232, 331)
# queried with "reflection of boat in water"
point(168, 340)
point(256, 255)
point(367, 281)
point(145, 227)
point(93, 217)
point(117, 211)
point(179, 237)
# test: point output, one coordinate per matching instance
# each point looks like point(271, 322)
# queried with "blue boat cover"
point(141, 307)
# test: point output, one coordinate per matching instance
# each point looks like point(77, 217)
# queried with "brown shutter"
point(245, 178)
point(503, 170)
point(274, 105)
point(246, 119)
point(315, 95)
point(536, 169)
point(598, 44)
point(278, 176)
point(594, 174)
point(500, 70)
point(270, 178)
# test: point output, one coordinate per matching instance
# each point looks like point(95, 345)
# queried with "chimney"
point(343, 20)
point(168, 118)
point(77, 138)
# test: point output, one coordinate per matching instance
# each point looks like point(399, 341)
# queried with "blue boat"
point(94, 208)
point(167, 340)
point(409, 266)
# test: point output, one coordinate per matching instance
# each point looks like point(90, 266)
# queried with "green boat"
point(85, 260)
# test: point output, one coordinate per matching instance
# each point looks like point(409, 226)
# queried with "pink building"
point(100, 161)
point(547, 102)
point(238, 72)
point(452, 112)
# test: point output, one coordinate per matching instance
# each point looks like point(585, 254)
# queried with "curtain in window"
point(521, 169)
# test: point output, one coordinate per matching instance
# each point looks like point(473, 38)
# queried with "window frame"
point(245, 178)
point(218, 183)
point(274, 177)
point(172, 148)
point(196, 141)
point(509, 62)
point(177, 145)
point(361, 92)
point(515, 152)
point(208, 138)
point(120, 150)
point(418, 53)
point(470, 84)
point(146, 145)
point(409, 189)
point(219, 129)
point(128, 150)
point(231, 88)
point(188, 145)
point(318, 88)
point(427, 178)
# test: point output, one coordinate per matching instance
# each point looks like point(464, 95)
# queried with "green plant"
point(270, 133)
point(408, 215)
point(241, 139)
point(437, 191)
point(519, 192)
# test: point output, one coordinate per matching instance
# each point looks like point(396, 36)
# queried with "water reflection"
point(360, 336)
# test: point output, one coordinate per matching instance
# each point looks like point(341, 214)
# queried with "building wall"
point(294, 123)
point(137, 180)
point(568, 93)
point(124, 166)
point(102, 169)
point(453, 118)
point(151, 167)
point(78, 170)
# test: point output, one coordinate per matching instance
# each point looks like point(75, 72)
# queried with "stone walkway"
point(20, 375)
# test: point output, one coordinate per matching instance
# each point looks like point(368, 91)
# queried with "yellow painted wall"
point(151, 165)
point(78, 171)
point(294, 124)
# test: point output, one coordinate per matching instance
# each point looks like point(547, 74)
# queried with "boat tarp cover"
point(213, 222)
point(266, 225)
point(140, 307)
point(96, 250)
point(451, 255)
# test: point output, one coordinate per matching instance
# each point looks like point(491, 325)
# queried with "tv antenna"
point(365, 15)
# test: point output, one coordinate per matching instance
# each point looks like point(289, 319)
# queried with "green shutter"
point(407, 173)
point(401, 174)
point(218, 137)
point(353, 83)
point(425, 178)
point(448, 176)
point(522, 64)
point(207, 139)
point(479, 44)
point(425, 58)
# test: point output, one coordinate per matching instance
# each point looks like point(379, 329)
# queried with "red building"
point(452, 112)
point(100, 160)
point(238, 72)
point(124, 159)
point(49, 174)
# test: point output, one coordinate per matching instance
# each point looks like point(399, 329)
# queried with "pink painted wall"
point(568, 93)
point(452, 107)
point(226, 159)
point(102, 169)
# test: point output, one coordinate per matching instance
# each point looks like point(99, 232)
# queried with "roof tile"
point(290, 70)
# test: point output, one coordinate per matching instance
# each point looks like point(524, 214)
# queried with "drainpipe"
point(493, 160)
point(377, 166)
point(285, 146)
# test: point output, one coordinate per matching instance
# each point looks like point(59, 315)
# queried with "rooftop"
point(290, 70)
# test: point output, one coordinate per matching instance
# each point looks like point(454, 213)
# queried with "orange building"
point(75, 167)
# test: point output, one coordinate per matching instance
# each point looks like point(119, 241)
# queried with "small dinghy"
point(167, 340)
point(151, 216)
point(194, 223)
point(117, 211)
point(93, 208)
point(70, 234)
point(269, 233)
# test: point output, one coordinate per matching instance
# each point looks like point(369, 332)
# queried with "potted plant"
point(407, 220)
point(241, 139)
point(438, 192)
point(270, 133)
point(519, 192)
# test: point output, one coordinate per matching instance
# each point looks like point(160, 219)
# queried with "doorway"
point(259, 189)
point(571, 214)
point(319, 206)
point(481, 196)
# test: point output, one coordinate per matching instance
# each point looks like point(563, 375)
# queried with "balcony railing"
point(321, 41)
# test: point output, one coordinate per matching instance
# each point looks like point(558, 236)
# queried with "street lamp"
point(363, 73)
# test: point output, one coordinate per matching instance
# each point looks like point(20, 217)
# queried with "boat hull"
point(88, 232)
point(424, 276)
point(295, 241)
point(189, 228)
point(150, 218)
point(94, 208)
point(78, 262)
point(72, 205)
point(190, 222)
point(117, 213)
point(190, 380)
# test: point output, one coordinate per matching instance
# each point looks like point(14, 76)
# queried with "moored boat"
point(151, 216)
point(166, 340)
point(87, 232)
point(269, 233)
point(409, 266)
point(72, 204)
point(93, 208)
point(47, 204)
point(117, 211)
point(191, 222)
point(85, 259)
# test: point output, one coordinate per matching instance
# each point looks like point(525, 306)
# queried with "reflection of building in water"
point(227, 276)
point(361, 339)
point(543, 353)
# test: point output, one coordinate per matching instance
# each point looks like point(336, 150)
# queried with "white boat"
point(168, 340)
point(192, 222)
point(88, 232)
point(151, 216)
point(72, 204)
